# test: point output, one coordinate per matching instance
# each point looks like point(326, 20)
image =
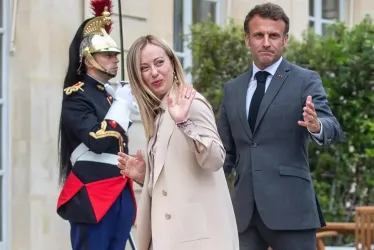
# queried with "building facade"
point(35, 36)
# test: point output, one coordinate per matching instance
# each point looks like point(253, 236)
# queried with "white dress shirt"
point(253, 84)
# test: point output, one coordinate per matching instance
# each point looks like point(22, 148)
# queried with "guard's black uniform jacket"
point(95, 180)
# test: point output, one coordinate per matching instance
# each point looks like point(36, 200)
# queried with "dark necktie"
point(257, 97)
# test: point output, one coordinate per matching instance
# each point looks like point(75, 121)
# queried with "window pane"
point(1, 13)
point(1, 208)
point(325, 28)
point(311, 24)
point(330, 9)
point(181, 59)
point(1, 146)
point(178, 25)
point(311, 7)
point(204, 10)
point(1, 64)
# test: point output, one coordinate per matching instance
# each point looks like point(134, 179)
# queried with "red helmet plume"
point(98, 7)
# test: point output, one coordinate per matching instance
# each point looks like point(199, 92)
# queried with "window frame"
point(5, 128)
point(317, 19)
point(187, 22)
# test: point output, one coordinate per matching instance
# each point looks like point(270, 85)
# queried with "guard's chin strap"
point(99, 67)
point(91, 59)
point(106, 72)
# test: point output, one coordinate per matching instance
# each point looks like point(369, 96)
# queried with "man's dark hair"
point(268, 11)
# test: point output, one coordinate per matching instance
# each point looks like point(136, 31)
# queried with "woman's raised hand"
point(132, 167)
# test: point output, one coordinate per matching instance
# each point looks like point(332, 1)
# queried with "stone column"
point(44, 30)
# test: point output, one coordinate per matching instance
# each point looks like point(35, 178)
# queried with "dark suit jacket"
point(272, 161)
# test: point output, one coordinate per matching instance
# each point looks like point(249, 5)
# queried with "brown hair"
point(269, 11)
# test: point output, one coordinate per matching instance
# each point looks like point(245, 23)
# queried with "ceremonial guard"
point(96, 199)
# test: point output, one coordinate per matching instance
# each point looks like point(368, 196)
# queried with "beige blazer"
point(190, 207)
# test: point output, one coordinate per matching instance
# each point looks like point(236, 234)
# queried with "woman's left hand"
point(178, 109)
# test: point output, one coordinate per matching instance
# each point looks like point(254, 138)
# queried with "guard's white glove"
point(124, 92)
point(121, 109)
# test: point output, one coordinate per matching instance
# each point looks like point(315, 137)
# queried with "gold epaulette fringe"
point(74, 88)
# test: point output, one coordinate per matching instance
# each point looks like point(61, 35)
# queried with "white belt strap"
point(78, 152)
point(82, 153)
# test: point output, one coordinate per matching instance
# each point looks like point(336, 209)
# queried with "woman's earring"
point(175, 78)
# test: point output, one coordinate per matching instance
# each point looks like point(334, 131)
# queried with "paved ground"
point(128, 246)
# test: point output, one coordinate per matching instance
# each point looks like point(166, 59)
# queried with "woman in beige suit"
point(185, 202)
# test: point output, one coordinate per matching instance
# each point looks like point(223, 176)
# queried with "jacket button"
point(164, 193)
point(254, 145)
point(167, 216)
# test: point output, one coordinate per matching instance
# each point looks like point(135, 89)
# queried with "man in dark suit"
point(266, 118)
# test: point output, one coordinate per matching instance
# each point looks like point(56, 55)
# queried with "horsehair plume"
point(98, 7)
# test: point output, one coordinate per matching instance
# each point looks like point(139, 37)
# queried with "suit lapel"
point(163, 138)
point(242, 101)
point(276, 83)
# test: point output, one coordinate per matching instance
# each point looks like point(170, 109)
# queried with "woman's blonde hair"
point(148, 103)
